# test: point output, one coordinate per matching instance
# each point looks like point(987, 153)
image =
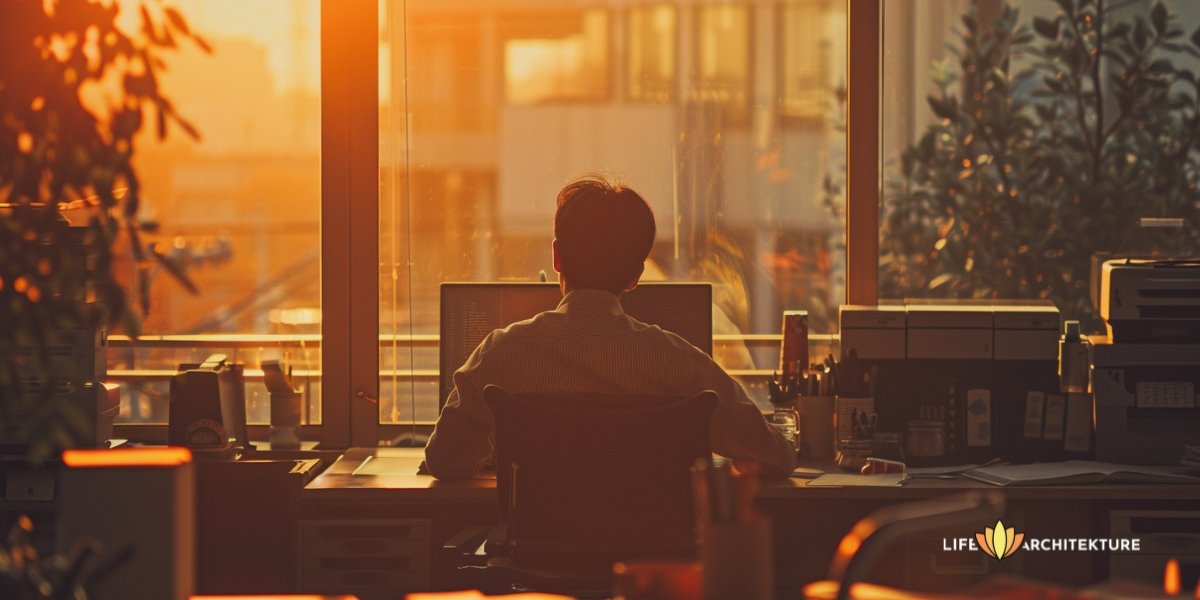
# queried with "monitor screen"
point(470, 311)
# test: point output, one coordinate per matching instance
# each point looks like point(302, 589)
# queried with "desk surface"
point(396, 476)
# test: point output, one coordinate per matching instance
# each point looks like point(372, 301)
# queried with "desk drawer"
point(349, 564)
point(367, 547)
point(392, 529)
point(364, 554)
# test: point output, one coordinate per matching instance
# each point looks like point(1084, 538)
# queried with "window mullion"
point(349, 218)
point(864, 24)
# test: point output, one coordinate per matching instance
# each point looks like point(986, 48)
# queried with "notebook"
point(856, 480)
point(1077, 471)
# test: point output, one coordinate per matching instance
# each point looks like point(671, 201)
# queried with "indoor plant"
point(76, 87)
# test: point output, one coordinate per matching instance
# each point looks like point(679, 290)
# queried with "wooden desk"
point(808, 523)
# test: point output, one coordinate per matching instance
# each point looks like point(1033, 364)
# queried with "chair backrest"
point(599, 472)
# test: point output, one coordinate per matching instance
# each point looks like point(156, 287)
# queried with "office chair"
point(864, 546)
point(587, 480)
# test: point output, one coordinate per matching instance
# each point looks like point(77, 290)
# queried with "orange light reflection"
point(1171, 585)
point(127, 457)
point(275, 597)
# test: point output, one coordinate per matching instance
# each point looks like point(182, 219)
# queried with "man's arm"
point(462, 438)
point(739, 430)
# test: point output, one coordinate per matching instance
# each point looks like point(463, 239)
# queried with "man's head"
point(602, 235)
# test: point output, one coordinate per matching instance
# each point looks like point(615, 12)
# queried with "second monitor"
point(470, 311)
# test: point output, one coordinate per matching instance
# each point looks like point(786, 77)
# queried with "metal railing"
point(128, 363)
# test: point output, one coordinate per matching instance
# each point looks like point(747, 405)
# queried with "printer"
point(1146, 371)
point(1151, 301)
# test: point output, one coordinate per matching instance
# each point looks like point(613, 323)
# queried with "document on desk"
point(856, 480)
point(385, 465)
point(1077, 472)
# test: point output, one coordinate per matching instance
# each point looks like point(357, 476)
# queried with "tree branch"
point(1077, 88)
point(1097, 82)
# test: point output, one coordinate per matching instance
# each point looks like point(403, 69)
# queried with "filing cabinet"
point(382, 556)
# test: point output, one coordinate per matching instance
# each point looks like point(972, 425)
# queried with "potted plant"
point(76, 87)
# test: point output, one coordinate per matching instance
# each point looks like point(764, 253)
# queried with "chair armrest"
point(467, 540)
point(497, 543)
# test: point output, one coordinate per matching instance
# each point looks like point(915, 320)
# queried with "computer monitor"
point(470, 311)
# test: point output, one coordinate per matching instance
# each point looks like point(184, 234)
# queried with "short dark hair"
point(604, 232)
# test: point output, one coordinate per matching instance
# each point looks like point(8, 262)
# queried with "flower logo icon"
point(999, 542)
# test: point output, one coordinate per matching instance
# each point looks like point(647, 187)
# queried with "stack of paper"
point(1076, 472)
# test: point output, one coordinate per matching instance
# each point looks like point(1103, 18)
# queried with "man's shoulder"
point(663, 339)
point(540, 324)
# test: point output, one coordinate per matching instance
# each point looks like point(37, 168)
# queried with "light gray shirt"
point(589, 344)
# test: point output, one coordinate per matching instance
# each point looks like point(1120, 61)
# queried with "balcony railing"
point(147, 363)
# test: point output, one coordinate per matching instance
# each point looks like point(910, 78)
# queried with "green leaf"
point(1161, 66)
point(175, 270)
point(1119, 30)
point(202, 43)
point(969, 23)
point(177, 20)
point(945, 108)
point(1139, 35)
point(1046, 28)
point(1158, 16)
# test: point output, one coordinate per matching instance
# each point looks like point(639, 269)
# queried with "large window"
point(730, 117)
point(1023, 142)
point(238, 209)
point(676, 100)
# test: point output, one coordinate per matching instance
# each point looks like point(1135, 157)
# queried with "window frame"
point(350, 162)
point(349, 197)
point(864, 44)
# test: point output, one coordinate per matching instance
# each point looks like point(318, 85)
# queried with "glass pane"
point(238, 209)
point(682, 105)
point(722, 54)
point(653, 41)
point(1023, 142)
point(813, 67)
point(553, 57)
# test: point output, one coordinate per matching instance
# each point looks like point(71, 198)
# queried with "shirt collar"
point(591, 301)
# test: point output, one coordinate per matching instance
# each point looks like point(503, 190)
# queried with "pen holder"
point(736, 560)
point(816, 426)
point(848, 409)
